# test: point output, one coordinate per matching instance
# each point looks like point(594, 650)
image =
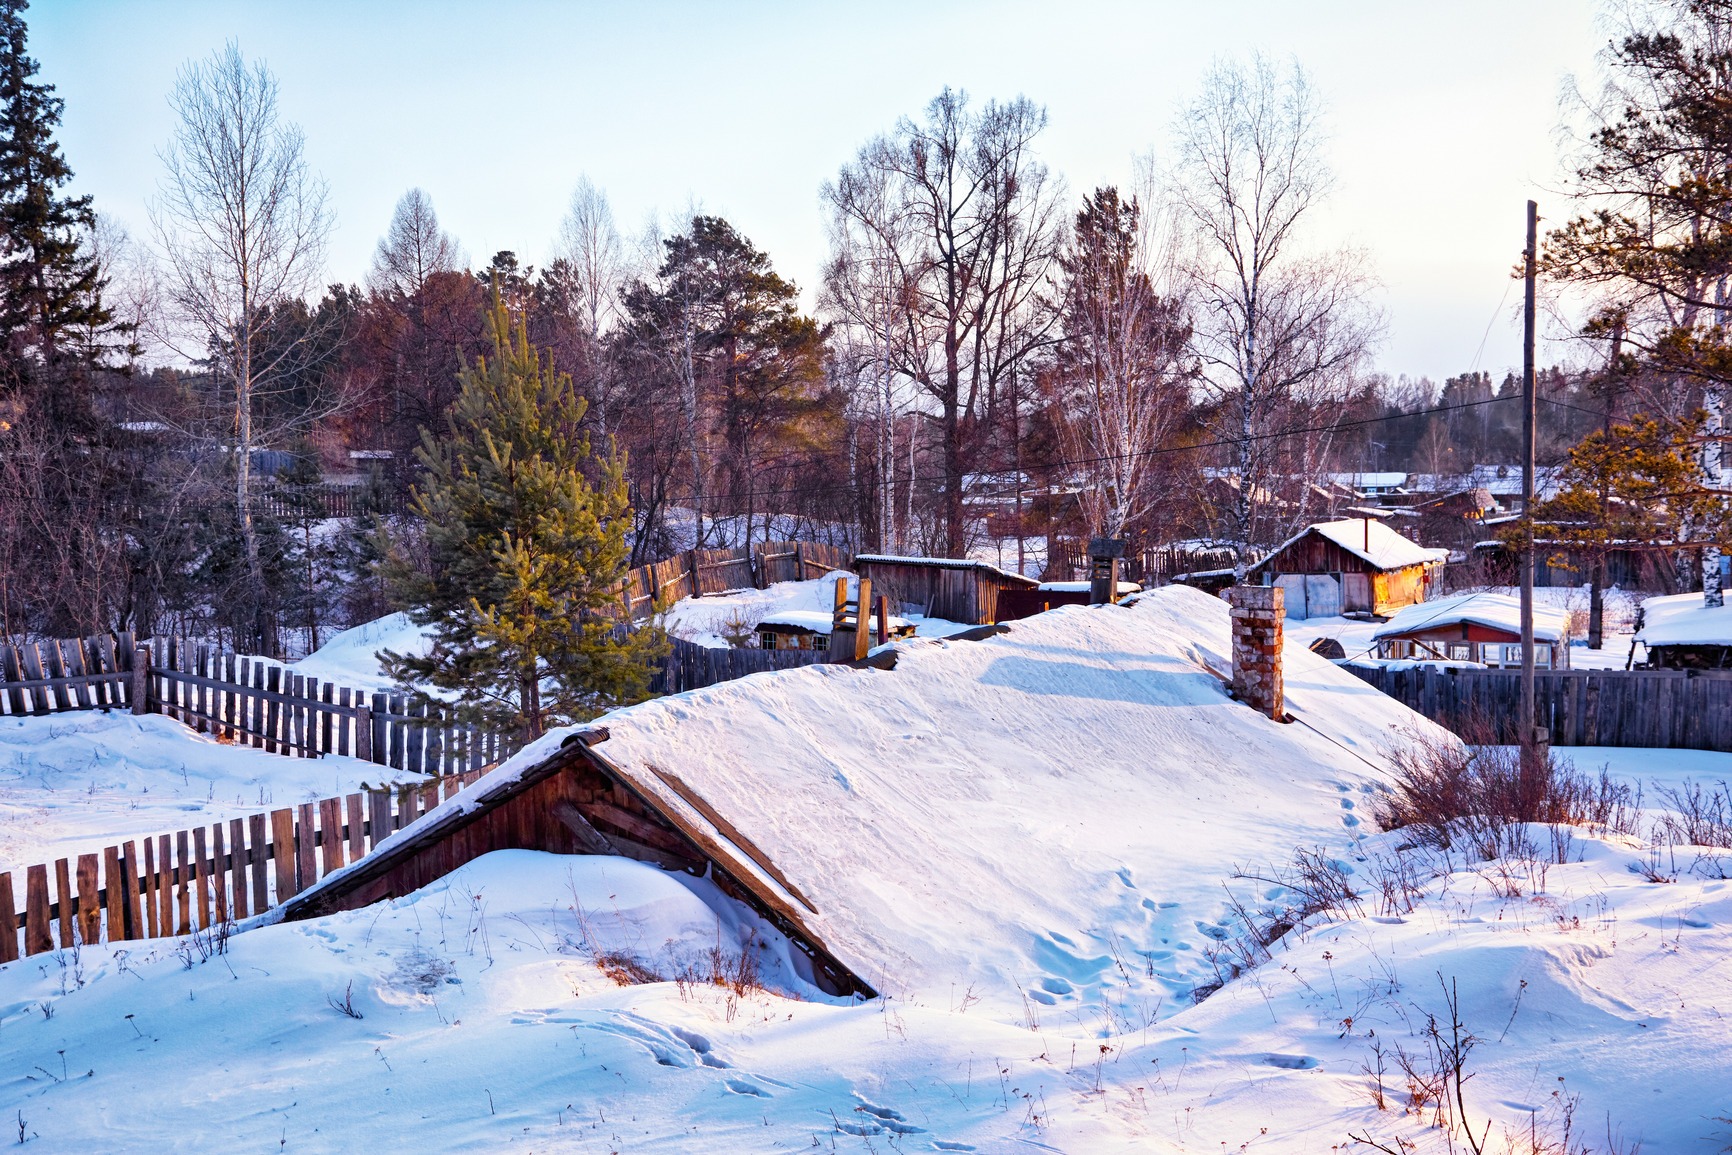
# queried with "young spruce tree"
point(523, 552)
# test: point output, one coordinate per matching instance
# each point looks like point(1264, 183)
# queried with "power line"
point(1076, 462)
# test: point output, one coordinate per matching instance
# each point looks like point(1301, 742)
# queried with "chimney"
point(1258, 613)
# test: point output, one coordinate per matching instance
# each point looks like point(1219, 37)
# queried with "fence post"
point(696, 571)
point(363, 734)
point(141, 679)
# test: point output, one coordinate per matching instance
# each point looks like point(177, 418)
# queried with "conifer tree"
point(523, 552)
point(49, 283)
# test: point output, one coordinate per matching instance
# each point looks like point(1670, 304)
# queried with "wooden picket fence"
point(66, 674)
point(271, 708)
point(200, 880)
point(689, 666)
point(1678, 709)
point(711, 571)
point(244, 700)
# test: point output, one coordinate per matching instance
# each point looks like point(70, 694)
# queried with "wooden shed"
point(1477, 627)
point(956, 590)
point(1356, 565)
point(1683, 632)
point(574, 801)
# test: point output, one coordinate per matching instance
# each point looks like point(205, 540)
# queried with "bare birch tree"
point(1279, 328)
point(242, 223)
point(963, 214)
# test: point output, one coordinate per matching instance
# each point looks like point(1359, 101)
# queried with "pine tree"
point(49, 283)
point(523, 552)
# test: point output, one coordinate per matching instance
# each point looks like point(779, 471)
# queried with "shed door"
point(1322, 596)
point(1292, 593)
point(1356, 592)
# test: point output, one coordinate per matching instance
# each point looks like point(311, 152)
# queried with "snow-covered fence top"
point(201, 880)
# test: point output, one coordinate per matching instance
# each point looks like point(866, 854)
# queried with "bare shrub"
point(625, 970)
point(1313, 884)
point(1696, 817)
point(1447, 791)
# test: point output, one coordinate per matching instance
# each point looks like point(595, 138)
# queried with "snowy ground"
point(1034, 839)
point(350, 658)
point(708, 619)
point(77, 782)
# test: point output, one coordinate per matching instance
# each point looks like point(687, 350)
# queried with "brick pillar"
point(1258, 616)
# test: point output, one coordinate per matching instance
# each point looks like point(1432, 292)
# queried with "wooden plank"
point(11, 673)
point(218, 875)
point(306, 864)
point(357, 832)
point(72, 658)
point(119, 925)
point(61, 695)
point(273, 727)
point(8, 920)
point(151, 926)
point(297, 720)
point(378, 736)
point(183, 884)
point(283, 853)
point(64, 901)
point(31, 662)
point(326, 740)
point(132, 913)
point(89, 902)
point(201, 873)
point(238, 866)
point(258, 851)
point(378, 817)
point(38, 930)
point(348, 711)
point(330, 835)
point(165, 885)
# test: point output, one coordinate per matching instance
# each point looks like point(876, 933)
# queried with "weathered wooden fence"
point(282, 712)
point(710, 571)
point(201, 879)
point(1680, 709)
point(243, 700)
point(690, 666)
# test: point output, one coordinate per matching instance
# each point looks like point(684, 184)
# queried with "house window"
point(766, 641)
point(819, 642)
point(1460, 652)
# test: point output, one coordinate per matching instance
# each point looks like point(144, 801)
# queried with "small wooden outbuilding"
point(1475, 627)
point(1356, 565)
point(1683, 632)
point(956, 590)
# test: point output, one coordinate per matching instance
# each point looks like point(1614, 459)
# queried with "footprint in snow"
point(741, 1087)
point(1290, 1062)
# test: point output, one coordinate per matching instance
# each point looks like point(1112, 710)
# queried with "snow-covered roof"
point(1497, 611)
point(1382, 480)
point(940, 563)
point(1083, 587)
point(1682, 620)
point(1369, 539)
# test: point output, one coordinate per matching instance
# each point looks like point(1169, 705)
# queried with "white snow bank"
point(1682, 620)
point(351, 658)
point(1480, 607)
point(77, 782)
point(1051, 809)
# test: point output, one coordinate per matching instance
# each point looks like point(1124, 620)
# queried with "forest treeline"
point(200, 434)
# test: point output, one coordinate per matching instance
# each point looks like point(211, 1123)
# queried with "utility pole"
point(1530, 737)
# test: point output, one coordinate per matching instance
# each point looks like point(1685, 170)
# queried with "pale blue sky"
point(1443, 115)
